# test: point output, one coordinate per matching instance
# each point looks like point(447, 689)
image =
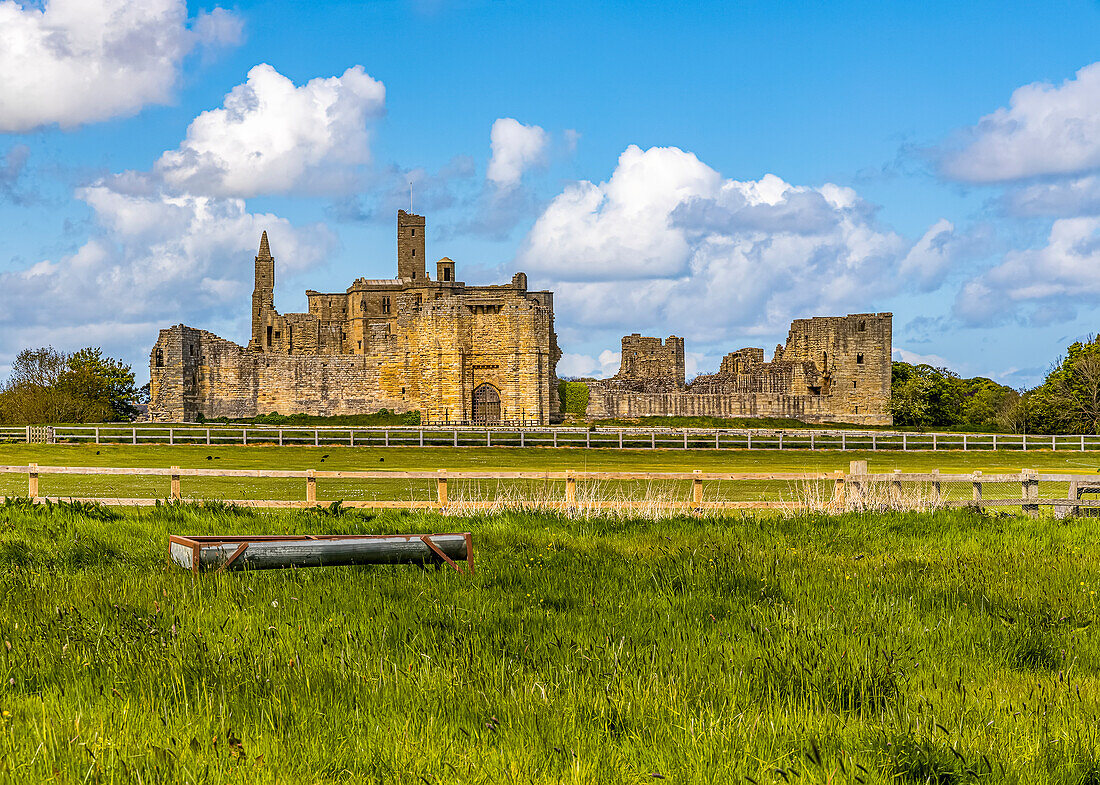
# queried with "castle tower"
point(263, 295)
point(410, 246)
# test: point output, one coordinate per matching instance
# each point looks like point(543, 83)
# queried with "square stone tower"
point(410, 246)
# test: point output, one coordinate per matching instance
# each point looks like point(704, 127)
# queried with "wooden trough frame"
point(203, 553)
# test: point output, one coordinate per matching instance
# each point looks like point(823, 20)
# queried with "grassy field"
point(397, 458)
point(914, 648)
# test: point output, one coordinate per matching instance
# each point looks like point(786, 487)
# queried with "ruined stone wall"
point(832, 369)
point(651, 365)
point(605, 403)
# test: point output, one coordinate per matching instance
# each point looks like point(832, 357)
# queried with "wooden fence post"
point(937, 490)
point(839, 492)
point(855, 487)
point(175, 485)
point(977, 497)
point(441, 488)
point(1029, 484)
point(32, 481)
point(311, 486)
point(895, 491)
point(697, 491)
point(570, 492)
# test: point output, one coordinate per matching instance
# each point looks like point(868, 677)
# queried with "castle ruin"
point(832, 369)
point(455, 353)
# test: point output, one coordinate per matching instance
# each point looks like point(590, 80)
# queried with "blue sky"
point(711, 170)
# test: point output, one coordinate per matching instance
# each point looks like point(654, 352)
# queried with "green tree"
point(930, 397)
point(101, 380)
point(1068, 400)
point(50, 386)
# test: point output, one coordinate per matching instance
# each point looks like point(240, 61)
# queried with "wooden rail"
point(559, 437)
point(850, 490)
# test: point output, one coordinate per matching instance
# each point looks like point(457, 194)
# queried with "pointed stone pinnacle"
point(265, 252)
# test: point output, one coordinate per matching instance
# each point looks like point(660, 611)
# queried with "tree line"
point(1068, 400)
point(50, 386)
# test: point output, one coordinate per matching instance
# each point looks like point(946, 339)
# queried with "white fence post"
point(97, 438)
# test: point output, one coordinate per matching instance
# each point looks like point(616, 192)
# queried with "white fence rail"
point(602, 438)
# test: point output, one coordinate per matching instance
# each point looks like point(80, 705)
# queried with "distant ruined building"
point(453, 352)
point(832, 369)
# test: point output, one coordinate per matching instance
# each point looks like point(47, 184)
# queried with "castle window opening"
point(385, 305)
point(269, 336)
point(859, 359)
point(190, 350)
point(446, 273)
point(360, 344)
point(414, 235)
point(160, 358)
point(414, 256)
point(277, 335)
point(853, 385)
point(863, 327)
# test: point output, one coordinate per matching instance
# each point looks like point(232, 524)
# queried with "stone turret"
point(263, 295)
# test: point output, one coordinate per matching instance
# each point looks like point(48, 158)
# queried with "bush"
point(573, 397)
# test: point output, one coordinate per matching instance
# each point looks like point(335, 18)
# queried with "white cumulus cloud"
point(270, 136)
point(670, 245)
point(1045, 130)
point(157, 260)
point(78, 61)
point(515, 149)
point(1044, 284)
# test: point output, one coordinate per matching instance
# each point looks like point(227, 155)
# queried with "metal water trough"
point(200, 554)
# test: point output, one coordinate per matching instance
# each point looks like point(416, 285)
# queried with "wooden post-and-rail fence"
point(602, 437)
point(850, 491)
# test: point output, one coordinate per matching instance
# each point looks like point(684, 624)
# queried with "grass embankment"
point(899, 648)
point(528, 459)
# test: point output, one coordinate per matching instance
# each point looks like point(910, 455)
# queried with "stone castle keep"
point(487, 355)
point(453, 352)
point(832, 369)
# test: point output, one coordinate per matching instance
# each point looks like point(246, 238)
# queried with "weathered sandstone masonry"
point(454, 352)
point(832, 369)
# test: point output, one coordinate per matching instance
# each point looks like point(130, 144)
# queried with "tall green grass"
point(946, 648)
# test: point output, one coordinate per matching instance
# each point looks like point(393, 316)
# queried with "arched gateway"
point(486, 405)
